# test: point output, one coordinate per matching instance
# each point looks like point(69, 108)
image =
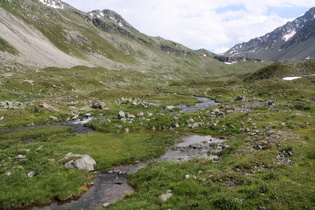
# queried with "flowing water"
point(110, 186)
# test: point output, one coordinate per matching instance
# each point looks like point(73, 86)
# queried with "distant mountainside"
point(294, 40)
point(44, 33)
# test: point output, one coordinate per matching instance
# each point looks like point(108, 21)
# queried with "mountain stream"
point(110, 186)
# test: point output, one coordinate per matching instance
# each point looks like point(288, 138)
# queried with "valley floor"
point(267, 162)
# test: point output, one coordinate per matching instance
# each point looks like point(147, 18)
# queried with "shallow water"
point(192, 147)
point(112, 185)
point(204, 104)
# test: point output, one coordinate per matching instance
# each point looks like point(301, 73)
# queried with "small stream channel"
point(110, 186)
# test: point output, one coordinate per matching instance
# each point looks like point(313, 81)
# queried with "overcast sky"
point(211, 24)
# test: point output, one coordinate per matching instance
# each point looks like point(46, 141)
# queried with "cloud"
point(213, 25)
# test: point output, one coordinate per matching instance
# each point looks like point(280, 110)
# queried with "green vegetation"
point(268, 158)
point(51, 180)
point(7, 47)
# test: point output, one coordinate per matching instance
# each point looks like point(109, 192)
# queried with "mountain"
point(294, 40)
point(46, 33)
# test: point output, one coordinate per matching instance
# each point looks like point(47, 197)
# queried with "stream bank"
point(110, 186)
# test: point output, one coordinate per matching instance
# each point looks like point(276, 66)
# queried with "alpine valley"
point(90, 108)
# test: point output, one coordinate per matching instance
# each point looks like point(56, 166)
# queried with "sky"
point(209, 24)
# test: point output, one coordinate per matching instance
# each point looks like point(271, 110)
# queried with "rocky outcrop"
point(83, 162)
point(135, 102)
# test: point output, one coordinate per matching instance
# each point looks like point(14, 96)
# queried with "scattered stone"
point(106, 205)
point(39, 148)
point(170, 107)
point(140, 115)
point(99, 105)
point(21, 157)
point(49, 107)
point(105, 120)
point(24, 150)
point(118, 182)
point(87, 115)
point(121, 114)
point(186, 176)
point(8, 173)
point(84, 162)
point(312, 98)
point(53, 118)
point(165, 197)
point(176, 125)
point(135, 102)
point(31, 174)
point(240, 98)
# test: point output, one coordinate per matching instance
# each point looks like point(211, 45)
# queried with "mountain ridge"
point(294, 40)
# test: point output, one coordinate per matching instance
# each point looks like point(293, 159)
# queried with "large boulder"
point(84, 162)
point(99, 105)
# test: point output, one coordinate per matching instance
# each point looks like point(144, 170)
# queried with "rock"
point(170, 107)
point(312, 98)
point(118, 182)
point(87, 115)
point(186, 176)
point(8, 173)
point(24, 150)
point(240, 98)
point(165, 197)
point(195, 125)
point(53, 118)
point(127, 130)
point(130, 116)
point(31, 174)
point(105, 120)
point(99, 105)
point(106, 205)
point(140, 115)
point(21, 157)
point(49, 107)
point(121, 114)
point(84, 162)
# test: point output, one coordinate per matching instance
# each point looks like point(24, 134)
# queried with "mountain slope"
point(47, 33)
point(294, 40)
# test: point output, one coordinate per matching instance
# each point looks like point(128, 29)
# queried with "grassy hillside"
point(103, 42)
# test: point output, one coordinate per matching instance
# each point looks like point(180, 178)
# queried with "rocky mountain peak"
point(285, 42)
point(54, 4)
point(109, 14)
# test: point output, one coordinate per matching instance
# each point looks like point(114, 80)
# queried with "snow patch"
point(291, 78)
point(230, 63)
point(53, 3)
point(289, 35)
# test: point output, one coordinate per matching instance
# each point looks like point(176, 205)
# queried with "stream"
point(110, 186)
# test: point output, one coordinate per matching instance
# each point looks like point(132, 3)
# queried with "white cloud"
point(214, 25)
